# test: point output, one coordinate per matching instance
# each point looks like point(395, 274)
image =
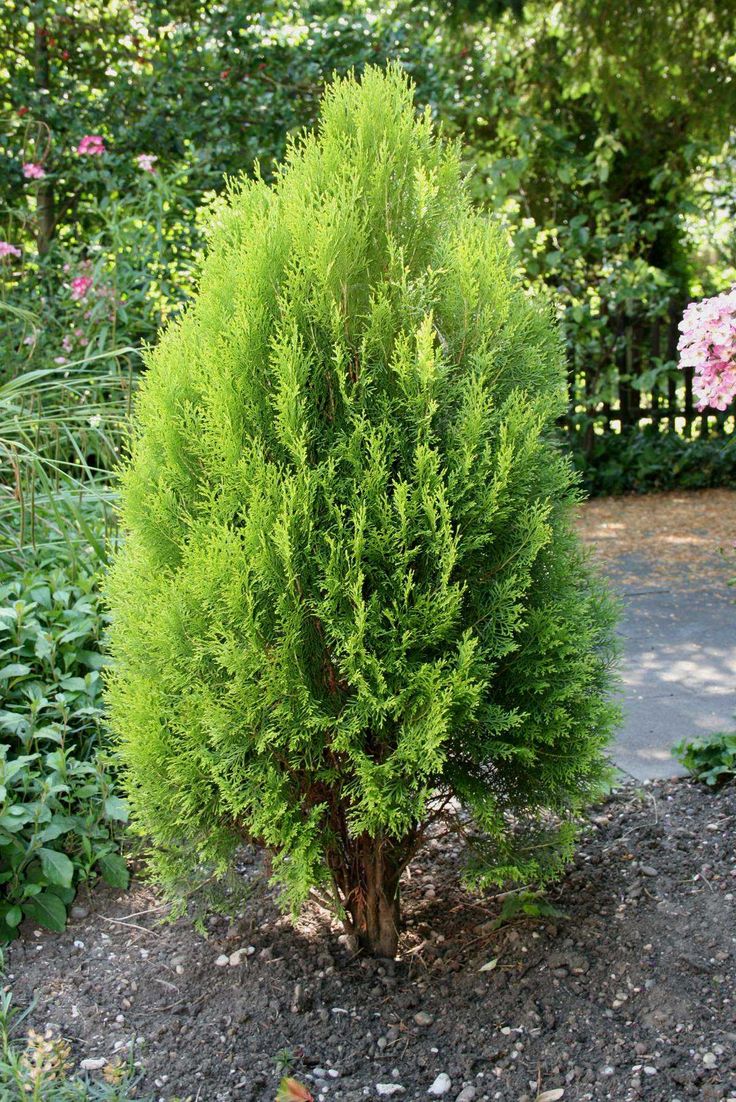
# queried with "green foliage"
point(525, 904)
point(600, 135)
point(135, 249)
point(611, 183)
point(349, 589)
point(209, 88)
point(59, 430)
point(647, 460)
point(711, 759)
point(60, 815)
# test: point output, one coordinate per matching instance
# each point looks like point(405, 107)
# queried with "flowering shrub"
point(111, 287)
point(708, 344)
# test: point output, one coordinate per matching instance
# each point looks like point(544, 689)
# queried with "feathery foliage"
point(349, 595)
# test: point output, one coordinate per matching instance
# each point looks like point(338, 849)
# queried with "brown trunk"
point(46, 217)
point(372, 896)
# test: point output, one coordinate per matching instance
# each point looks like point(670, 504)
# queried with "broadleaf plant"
point(349, 603)
point(60, 816)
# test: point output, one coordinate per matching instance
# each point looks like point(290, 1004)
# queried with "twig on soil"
point(150, 911)
point(131, 925)
point(165, 983)
point(180, 1002)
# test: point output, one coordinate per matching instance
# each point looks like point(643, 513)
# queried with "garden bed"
point(631, 994)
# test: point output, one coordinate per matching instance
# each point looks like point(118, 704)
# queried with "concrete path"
point(678, 630)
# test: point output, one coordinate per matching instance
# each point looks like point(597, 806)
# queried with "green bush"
point(644, 460)
point(60, 815)
point(349, 593)
point(711, 759)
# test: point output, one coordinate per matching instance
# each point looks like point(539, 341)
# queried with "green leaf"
point(57, 868)
point(114, 870)
point(13, 915)
point(47, 910)
point(115, 808)
point(14, 669)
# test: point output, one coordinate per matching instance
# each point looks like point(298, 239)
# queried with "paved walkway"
point(663, 555)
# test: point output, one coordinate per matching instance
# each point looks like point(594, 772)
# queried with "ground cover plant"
point(349, 593)
point(60, 812)
point(711, 758)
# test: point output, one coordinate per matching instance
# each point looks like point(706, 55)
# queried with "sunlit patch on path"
point(669, 556)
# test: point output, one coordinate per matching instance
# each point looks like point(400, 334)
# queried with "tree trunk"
point(371, 890)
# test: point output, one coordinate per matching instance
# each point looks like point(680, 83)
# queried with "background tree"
point(349, 593)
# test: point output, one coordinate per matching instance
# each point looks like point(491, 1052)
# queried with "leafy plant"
point(526, 904)
point(60, 814)
point(349, 593)
point(711, 759)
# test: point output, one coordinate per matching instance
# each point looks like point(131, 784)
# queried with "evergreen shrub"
point(350, 603)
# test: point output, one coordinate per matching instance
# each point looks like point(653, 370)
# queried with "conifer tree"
point(349, 602)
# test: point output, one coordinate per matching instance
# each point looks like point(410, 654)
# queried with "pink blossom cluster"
point(80, 285)
point(6, 249)
point(33, 171)
point(708, 344)
point(146, 161)
point(91, 145)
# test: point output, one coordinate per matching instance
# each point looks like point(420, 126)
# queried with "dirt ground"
point(681, 537)
point(628, 993)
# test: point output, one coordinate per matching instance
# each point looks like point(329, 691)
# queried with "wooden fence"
point(610, 395)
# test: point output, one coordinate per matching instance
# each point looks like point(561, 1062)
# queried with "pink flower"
point(708, 344)
point(6, 249)
point(33, 171)
point(146, 161)
point(80, 285)
point(91, 145)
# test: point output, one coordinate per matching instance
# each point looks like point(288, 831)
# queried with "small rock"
point(648, 870)
point(441, 1085)
point(222, 960)
point(240, 955)
point(709, 1060)
point(467, 1094)
point(387, 1089)
point(607, 1071)
point(319, 1073)
point(93, 1063)
point(423, 1018)
point(649, 1070)
point(79, 911)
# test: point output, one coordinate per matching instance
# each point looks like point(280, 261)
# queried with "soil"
point(680, 539)
point(628, 993)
